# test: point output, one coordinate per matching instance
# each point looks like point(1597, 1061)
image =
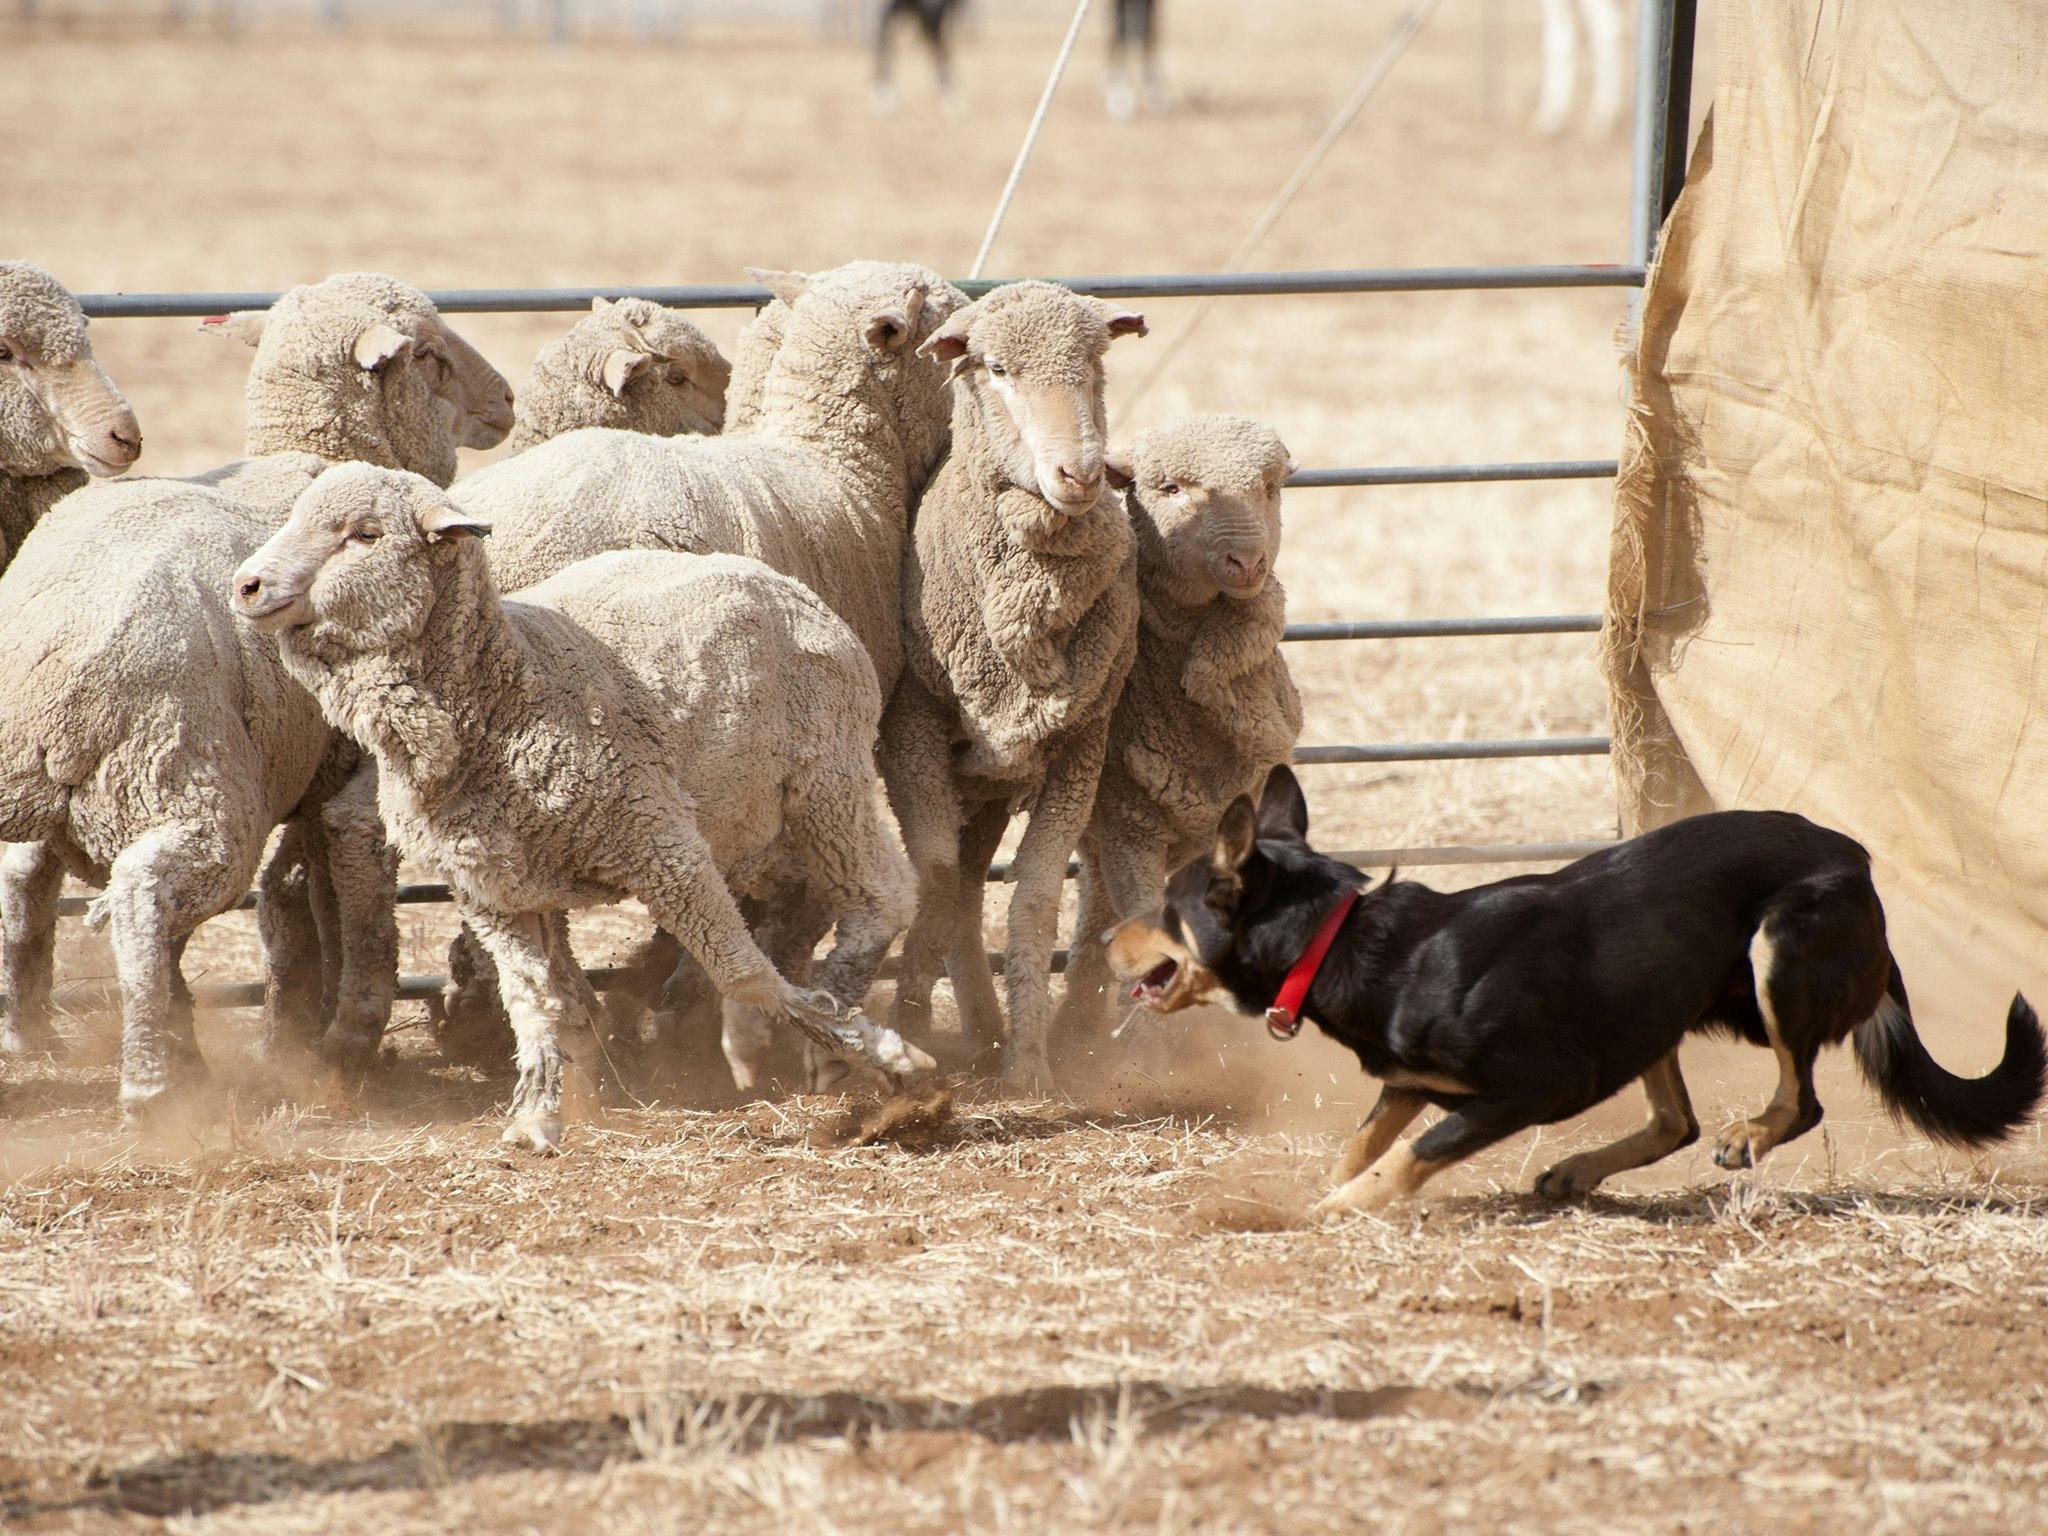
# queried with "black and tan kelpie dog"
point(1529, 1000)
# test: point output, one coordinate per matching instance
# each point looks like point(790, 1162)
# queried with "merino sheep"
point(149, 745)
point(644, 724)
point(1209, 706)
point(1020, 605)
point(630, 364)
point(834, 425)
point(61, 418)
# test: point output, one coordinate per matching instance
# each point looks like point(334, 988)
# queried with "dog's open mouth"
point(1153, 986)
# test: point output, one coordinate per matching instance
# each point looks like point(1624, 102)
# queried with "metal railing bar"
point(1454, 474)
point(431, 894)
point(1170, 285)
point(1444, 629)
point(1455, 751)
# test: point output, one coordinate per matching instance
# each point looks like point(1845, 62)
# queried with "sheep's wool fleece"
point(1209, 707)
point(34, 309)
point(819, 487)
point(566, 388)
point(115, 605)
point(512, 738)
point(1023, 619)
point(306, 394)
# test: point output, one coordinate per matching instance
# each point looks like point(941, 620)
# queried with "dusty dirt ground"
point(303, 1314)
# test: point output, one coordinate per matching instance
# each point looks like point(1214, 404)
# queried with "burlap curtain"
point(1829, 586)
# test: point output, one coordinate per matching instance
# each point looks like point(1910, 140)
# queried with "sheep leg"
point(362, 890)
point(472, 1028)
point(1058, 819)
point(31, 876)
point(916, 758)
point(1116, 881)
point(974, 985)
point(860, 879)
point(682, 887)
point(287, 921)
point(539, 1000)
point(788, 930)
point(161, 887)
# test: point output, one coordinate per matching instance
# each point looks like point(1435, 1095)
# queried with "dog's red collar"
point(1283, 1019)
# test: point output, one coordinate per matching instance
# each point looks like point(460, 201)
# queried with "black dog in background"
point(1134, 34)
point(1530, 1000)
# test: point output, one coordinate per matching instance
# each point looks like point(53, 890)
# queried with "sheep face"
point(1204, 497)
point(361, 366)
point(1028, 358)
point(356, 567)
point(638, 366)
point(58, 408)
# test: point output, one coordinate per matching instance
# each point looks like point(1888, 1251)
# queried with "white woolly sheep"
point(646, 724)
point(1020, 606)
point(61, 418)
point(1209, 706)
point(834, 425)
point(630, 364)
point(147, 743)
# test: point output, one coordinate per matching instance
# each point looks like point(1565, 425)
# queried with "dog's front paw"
point(1743, 1144)
point(1571, 1179)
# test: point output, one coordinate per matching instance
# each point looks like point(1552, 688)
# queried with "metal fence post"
point(1663, 120)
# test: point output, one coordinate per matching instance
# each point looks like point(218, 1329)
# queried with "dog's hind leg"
point(1671, 1125)
point(1794, 1109)
point(1393, 1112)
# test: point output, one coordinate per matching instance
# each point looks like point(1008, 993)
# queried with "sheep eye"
point(365, 535)
point(6, 354)
point(675, 375)
point(997, 370)
point(1169, 488)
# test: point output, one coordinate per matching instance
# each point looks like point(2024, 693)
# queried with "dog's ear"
point(1283, 809)
point(1235, 836)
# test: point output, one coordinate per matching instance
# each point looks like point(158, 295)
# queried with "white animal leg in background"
point(1116, 883)
point(291, 900)
point(362, 869)
point(915, 756)
point(31, 876)
point(161, 887)
point(855, 873)
point(1560, 66)
point(1603, 24)
point(789, 934)
point(1058, 818)
point(539, 1006)
point(974, 987)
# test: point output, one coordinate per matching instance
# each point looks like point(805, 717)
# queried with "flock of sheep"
point(716, 603)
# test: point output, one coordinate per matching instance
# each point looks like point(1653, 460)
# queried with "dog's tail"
point(1957, 1111)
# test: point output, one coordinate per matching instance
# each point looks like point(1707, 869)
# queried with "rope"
point(1059, 68)
point(1404, 34)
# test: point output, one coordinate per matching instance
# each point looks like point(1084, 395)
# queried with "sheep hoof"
point(536, 1132)
point(1028, 1075)
point(852, 1035)
point(18, 1041)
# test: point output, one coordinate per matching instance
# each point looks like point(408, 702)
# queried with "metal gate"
point(1664, 60)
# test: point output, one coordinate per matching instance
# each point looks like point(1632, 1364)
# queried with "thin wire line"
point(1059, 68)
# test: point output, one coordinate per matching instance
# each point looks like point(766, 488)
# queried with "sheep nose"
point(1082, 484)
point(123, 441)
point(1242, 572)
point(248, 589)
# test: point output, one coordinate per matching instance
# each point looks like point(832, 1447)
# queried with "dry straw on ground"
point(310, 1315)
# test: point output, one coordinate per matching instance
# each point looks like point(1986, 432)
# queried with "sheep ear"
point(1119, 468)
point(887, 330)
point(949, 342)
point(244, 325)
point(599, 304)
point(1121, 322)
point(378, 344)
point(786, 286)
point(621, 367)
point(445, 520)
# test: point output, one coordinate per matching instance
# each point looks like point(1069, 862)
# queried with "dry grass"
point(301, 1314)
